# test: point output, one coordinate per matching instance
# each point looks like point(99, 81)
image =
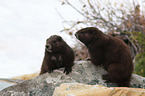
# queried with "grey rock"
point(4, 83)
point(13, 81)
point(82, 72)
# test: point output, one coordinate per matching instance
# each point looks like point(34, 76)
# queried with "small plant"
point(139, 38)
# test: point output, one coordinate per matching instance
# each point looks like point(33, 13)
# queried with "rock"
point(82, 72)
point(26, 77)
point(78, 89)
point(4, 83)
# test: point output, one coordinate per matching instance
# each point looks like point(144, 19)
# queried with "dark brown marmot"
point(110, 52)
point(57, 55)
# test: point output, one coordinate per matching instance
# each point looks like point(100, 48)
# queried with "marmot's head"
point(55, 44)
point(88, 35)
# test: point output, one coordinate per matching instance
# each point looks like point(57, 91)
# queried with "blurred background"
point(26, 24)
point(24, 27)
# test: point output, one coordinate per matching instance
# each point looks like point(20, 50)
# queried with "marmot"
point(110, 52)
point(57, 55)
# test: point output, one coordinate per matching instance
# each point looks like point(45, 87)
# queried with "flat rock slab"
point(78, 89)
point(4, 83)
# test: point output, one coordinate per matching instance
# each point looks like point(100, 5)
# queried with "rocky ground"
point(83, 72)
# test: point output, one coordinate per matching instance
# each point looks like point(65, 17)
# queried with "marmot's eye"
point(91, 32)
point(59, 39)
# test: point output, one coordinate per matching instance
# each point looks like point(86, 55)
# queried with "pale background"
point(24, 27)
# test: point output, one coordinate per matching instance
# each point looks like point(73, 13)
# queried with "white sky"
point(24, 27)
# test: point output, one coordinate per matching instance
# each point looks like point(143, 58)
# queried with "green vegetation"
point(140, 57)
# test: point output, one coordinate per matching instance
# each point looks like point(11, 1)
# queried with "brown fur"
point(110, 52)
point(57, 55)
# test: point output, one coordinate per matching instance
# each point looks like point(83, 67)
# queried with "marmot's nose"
point(48, 46)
